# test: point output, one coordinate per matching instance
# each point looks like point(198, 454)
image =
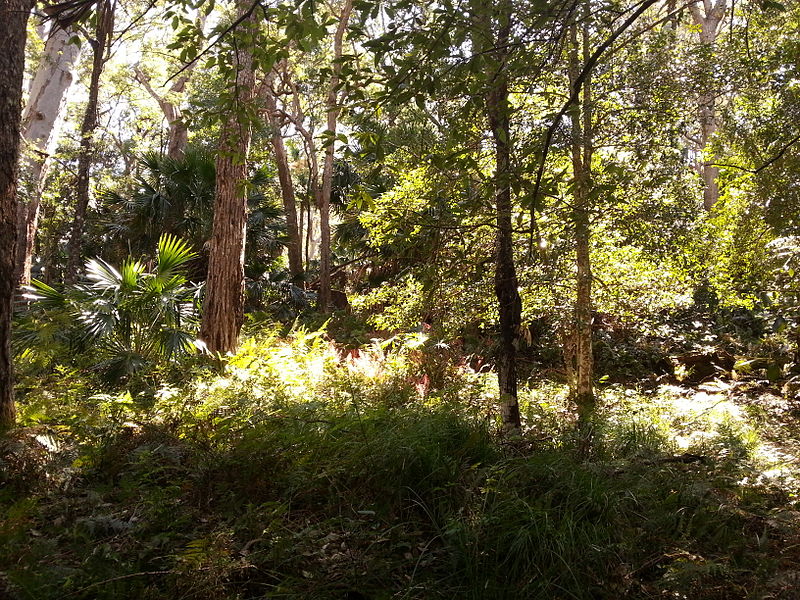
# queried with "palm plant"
point(176, 196)
point(126, 319)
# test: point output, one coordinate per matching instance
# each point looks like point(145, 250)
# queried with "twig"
point(119, 578)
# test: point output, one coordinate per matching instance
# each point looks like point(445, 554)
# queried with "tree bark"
point(301, 233)
point(333, 110)
point(99, 45)
point(509, 303)
point(41, 124)
point(582, 150)
point(309, 231)
point(288, 197)
point(708, 19)
point(13, 32)
point(223, 307)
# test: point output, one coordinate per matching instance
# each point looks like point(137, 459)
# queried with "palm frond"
point(45, 296)
point(102, 274)
point(173, 253)
point(130, 272)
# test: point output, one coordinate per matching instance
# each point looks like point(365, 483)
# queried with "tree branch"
point(764, 165)
point(216, 41)
point(575, 91)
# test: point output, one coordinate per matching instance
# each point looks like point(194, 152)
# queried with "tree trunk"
point(170, 104)
point(505, 279)
point(293, 246)
point(708, 19)
point(582, 150)
point(41, 123)
point(333, 108)
point(13, 32)
point(223, 307)
point(309, 232)
point(300, 233)
point(99, 45)
point(177, 131)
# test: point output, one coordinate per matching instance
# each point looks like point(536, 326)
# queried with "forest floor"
point(305, 471)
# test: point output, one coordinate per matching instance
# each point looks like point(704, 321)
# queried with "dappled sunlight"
point(317, 458)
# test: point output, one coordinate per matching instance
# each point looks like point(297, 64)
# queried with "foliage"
point(308, 471)
point(125, 320)
point(358, 455)
point(176, 197)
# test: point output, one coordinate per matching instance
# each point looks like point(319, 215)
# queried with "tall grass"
point(304, 471)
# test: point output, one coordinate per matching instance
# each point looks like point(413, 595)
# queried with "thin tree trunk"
point(99, 45)
point(41, 123)
point(13, 32)
point(300, 234)
point(708, 19)
point(223, 307)
point(293, 246)
point(333, 110)
point(309, 231)
point(505, 280)
point(583, 366)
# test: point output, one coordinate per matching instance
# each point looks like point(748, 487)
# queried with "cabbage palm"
point(130, 318)
point(176, 196)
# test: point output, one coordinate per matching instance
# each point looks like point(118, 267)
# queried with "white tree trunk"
point(708, 18)
point(41, 125)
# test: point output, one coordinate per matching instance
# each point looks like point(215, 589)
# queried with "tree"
point(707, 16)
point(294, 244)
point(41, 123)
point(100, 44)
point(582, 151)
point(333, 108)
point(170, 101)
point(13, 21)
point(492, 39)
point(223, 306)
point(177, 130)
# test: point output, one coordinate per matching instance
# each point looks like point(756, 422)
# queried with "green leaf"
point(173, 253)
point(103, 274)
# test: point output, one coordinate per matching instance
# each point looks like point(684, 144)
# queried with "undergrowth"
point(307, 471)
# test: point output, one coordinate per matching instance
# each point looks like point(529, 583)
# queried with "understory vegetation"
point(306, 469)
point(399, 300)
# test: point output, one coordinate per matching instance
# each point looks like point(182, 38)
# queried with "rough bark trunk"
point(583, 366)
point(223, 307)
point(293, 246)
point(333, 110)
point(13, 32)
point(708, 19)
point(505, 279)
point(99, 45)
point(41, 124)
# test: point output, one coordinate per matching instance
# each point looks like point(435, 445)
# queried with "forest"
point(389, 299)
